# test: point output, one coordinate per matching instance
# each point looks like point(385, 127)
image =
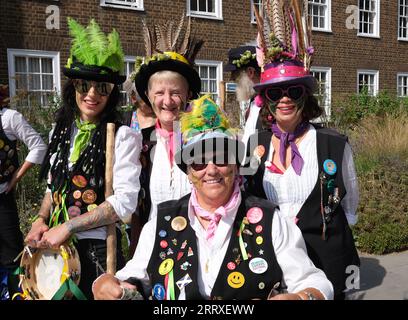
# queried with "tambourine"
point(45, 270)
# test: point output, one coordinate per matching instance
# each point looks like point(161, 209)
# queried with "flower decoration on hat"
point(205, 116)
point(94, 56)
point(245, 59)
point(169, 46)
point(206, 121)
point(284, 49)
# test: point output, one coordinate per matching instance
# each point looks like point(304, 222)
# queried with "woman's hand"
point(107, 287)
point(286, 296)
point(36, 232)
point(54, 237)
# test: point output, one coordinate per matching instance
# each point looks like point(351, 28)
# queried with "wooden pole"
point(111, 237)
point(222, 95)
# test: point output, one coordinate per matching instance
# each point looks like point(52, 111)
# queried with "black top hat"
point(241, 57)
point(176, 54)
point(94, 56)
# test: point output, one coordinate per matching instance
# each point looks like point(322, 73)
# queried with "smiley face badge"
point(236, 280)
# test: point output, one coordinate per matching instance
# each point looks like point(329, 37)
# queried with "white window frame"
point(374, 73)
point(376, 32)
point(128, 60)
point(253, 19)
point(138, 5)
point(217, 15)
point(328, 90)
point(400, 17)
point(218, 65)
point(54, 55)
point(327, 16)
point(402, 75)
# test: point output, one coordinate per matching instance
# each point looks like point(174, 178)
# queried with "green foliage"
point(348, 111)
point(381, 147)
point(29, 192)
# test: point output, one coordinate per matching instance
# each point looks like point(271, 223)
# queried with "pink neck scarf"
point(220, 212)
point(169, 137)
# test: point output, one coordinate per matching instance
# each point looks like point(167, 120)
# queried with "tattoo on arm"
point(45, 206)
point(103, 215)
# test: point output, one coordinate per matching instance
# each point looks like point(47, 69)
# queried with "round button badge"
point(259, 240)
point(330, 167)
point(179, 223)
point(79, 181)
point(254, 215)
point(74, 211)
point(166, 266)
point(258, 265)
point(258, 229)
point(231, 266)
point(236, 280)
point(77, 194)
point(158, 291)
point(89, 196)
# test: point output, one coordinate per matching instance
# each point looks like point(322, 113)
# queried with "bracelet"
point(130, 294)
point(310, 296)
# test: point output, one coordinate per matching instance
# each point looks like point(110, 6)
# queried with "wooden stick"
point(111, 237)
point(222, 95)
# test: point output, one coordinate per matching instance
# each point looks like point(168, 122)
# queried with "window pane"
point(203, 72)
point(46, 65)
point(21, 64)
point(47, 82)
point(33, 65)
point(213, 73)
point(202, 5)
point(21, 82)
point(193, 5)
point(34, 82)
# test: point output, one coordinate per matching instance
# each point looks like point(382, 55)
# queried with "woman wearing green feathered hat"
point(74, 203)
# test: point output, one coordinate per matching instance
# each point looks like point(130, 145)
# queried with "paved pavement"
point(382, 277)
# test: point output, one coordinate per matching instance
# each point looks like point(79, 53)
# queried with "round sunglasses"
point(295, 92)
point(102, 88)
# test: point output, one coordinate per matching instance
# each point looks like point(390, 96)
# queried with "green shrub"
point(381, 158)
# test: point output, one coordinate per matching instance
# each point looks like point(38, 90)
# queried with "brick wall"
point(22, 26)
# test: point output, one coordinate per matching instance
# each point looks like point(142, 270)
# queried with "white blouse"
point(298, 270)
point(166, 182)
point(16, 127)
point(289, 191)
point(126, 172)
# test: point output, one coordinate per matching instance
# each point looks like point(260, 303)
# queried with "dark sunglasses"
point(295, 92)
point(203, 163)
point(83, 86)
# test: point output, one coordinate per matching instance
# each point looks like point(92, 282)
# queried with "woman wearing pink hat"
point(307, 170)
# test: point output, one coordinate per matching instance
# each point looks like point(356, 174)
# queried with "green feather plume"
point(90, 46)
point(205, 115)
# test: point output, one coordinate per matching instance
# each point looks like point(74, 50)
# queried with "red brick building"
point(356, 41)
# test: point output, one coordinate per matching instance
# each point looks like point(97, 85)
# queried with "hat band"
point(176, 56)
point(283, 71)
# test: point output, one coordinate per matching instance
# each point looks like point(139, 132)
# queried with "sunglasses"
point(203, 163)
point(274, 94)
point(102, 88)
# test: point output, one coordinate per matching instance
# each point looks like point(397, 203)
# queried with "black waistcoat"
point(254, 285)
point(82, 192)
point(144, 201)
point(338, 251)
point(8, 156)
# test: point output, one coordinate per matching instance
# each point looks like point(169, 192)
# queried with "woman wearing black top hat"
point(74, 203)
